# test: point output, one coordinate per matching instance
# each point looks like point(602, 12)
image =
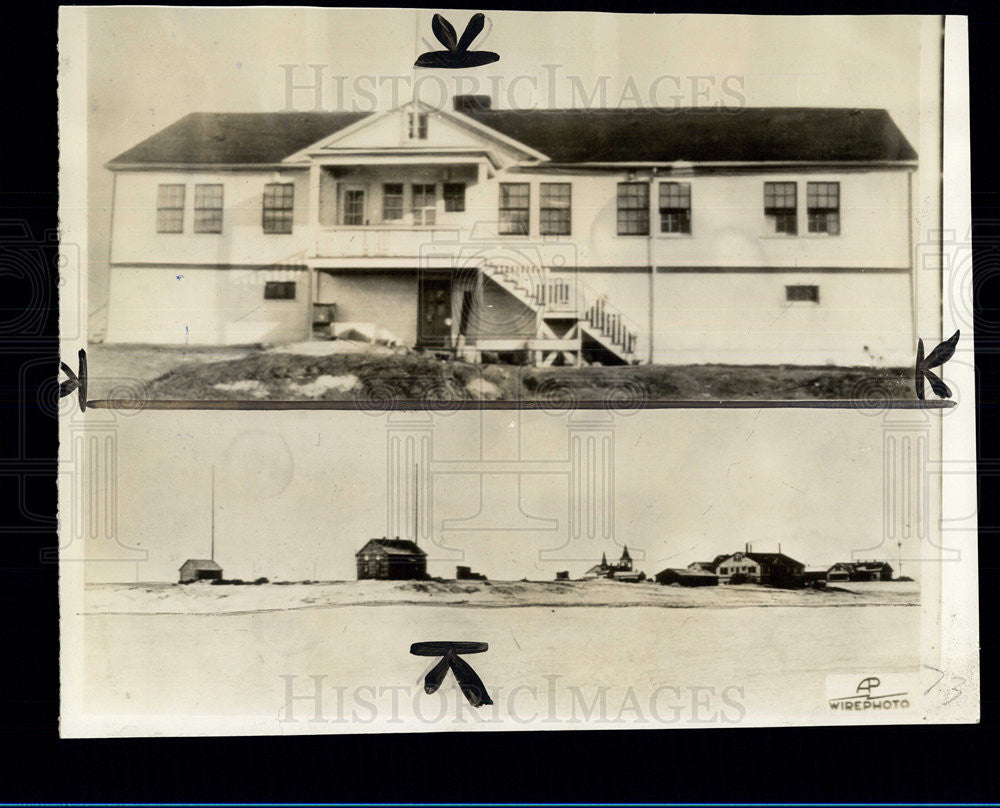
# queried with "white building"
point(757, 235)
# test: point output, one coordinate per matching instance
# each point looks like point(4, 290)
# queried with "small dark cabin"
point(391, 560)
point(688, 577)
point(200, 570)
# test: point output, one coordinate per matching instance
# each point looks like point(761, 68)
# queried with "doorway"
point(434, 322)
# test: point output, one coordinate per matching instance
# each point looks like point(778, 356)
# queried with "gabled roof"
point(770, 558)
point(201, 564)
point(666, 135)
point(236, 138)
point(399, 547)
point(688, 572)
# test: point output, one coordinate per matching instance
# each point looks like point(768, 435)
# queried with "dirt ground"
point(375, 376)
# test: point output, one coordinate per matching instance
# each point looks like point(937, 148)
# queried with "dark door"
point(434, 326)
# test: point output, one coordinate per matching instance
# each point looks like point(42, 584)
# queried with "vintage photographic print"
point(678, 208)
point(271, 575)
point(455, 371)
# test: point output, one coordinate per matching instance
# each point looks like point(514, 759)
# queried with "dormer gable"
point(417, 128)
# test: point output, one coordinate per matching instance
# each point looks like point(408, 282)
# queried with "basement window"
point(279, 290)
point(802, 294)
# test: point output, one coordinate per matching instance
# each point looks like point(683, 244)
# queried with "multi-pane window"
point(555, 210)
point(780, 207)
point(823, 207)
point(207, 208)
point(809, 294)
point(675, 207)
point(423, 205)
point(514, 205)
point(454, 197)
point(279, 290)
point(417, 125)
point(633, 209)
point(392, 201)
point(170, 209)
point(279, 201)
point(354, 207)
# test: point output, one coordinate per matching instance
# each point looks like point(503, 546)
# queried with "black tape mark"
point(457, 55)
point(468, 680)
point(75, 381)
point(941, 354)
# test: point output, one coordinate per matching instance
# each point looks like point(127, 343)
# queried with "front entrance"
point(434, 313)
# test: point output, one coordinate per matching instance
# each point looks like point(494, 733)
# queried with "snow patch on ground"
point(326, 383)
point(255, 388)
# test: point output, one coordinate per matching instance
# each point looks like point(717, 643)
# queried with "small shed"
point(391, 559)
point(200, 569)
point(687, 577)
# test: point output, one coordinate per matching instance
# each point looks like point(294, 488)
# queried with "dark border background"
point(938, 763)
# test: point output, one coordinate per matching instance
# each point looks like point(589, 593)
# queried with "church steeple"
point(626, 560)
point(604, 559)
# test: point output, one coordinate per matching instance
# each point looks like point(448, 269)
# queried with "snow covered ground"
point(334, 657)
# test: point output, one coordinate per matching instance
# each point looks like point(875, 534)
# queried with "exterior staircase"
point(572, 319)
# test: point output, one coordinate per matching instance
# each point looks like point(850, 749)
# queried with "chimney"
point(471, 103)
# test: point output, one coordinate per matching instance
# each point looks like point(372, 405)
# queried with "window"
point(417, 128)
point(808, 294)
point(279, 290)
point(514, 201)
point(555, 208)
point(354, 207)
point(423, 205)
point(780, 207)
point(170, 209)
point(633, 209)
point(454, 197)
point(208, 209)
point(823, 207)
point(279, 199)
point(392, 201)
point(675, 207)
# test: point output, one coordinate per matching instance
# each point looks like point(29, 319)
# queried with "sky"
point(149, 66)
point(298, 493)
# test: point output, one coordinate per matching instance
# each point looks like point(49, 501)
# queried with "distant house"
point(775, 569)
point(562, 575)
point(620, 570)
point(198, 569)
point(814, 575)
point(860, 571)
point(708, 566)
point(688, 577)
point(629, 576)
point(391, 559)
point(466, 574)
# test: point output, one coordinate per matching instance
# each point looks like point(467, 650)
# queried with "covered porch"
point(395, 206)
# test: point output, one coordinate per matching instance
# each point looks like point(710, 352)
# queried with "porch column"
point(314, 179)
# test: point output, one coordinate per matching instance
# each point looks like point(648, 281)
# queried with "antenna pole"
point(416, 502)
point(213, 514)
